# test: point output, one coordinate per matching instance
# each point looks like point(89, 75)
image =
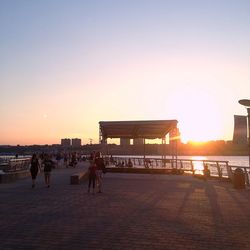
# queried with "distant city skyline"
point(66, 65)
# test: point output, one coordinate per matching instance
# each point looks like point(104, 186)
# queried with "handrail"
point(16, 164)
point(217, 168)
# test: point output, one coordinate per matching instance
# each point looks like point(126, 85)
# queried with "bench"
point(77, 178)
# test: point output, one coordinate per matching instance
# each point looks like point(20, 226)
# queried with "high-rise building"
point(124, 141)
point(76, 142)
point(240, 129)
point(65, 142)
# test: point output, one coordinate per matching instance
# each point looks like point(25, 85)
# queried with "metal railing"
point(15, 165)
point(220, 169)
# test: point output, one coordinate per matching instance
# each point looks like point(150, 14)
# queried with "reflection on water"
point(198, 165)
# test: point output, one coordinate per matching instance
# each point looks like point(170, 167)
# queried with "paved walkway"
point(135, 211)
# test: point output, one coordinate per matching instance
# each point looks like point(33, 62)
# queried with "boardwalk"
point(135, 211)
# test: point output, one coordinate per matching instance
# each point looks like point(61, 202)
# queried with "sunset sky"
point(66, 65)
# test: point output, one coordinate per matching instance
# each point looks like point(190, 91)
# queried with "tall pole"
point(248, 122)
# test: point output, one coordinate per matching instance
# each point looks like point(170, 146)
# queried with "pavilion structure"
point(149, 129)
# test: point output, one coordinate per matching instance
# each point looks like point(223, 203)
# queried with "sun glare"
point(198, 116)
point(198, 163)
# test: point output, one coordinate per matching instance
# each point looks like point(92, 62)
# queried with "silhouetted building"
point(240, 129)
point(65, 142)
point(76, 142)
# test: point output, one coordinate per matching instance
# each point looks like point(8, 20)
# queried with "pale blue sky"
point(66, 65)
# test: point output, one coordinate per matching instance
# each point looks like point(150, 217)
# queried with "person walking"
point(48, 164)
point(92, 175)
point(35, 166)
point(65, 160)
point(99, 161)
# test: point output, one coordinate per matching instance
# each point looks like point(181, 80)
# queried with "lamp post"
point(246, 103)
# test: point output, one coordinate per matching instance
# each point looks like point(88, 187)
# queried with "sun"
point(199, 118)
point(197, 131)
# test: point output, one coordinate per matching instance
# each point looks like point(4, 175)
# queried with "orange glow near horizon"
point(200, 132)
point(199, 113)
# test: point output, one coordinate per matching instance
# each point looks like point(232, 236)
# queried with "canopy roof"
point(136, 129)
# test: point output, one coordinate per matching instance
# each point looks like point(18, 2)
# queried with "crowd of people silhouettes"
point(46, 162)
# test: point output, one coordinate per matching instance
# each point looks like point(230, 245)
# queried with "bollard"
point(239, 179)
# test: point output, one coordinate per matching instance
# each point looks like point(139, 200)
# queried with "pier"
point(141, 211)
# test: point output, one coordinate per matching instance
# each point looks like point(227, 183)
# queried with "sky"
point(66, 65)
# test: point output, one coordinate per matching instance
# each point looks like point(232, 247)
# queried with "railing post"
point(246, 176)
point(219, 169)
point(229, 171)
point(181, 164)
point(192, 166)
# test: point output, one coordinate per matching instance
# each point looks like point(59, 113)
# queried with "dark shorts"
point(47, 173)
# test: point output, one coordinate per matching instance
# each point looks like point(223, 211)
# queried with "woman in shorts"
point(34, 168)
point(100, 166)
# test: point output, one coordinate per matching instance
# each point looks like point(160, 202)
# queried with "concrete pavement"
point(135, 211)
